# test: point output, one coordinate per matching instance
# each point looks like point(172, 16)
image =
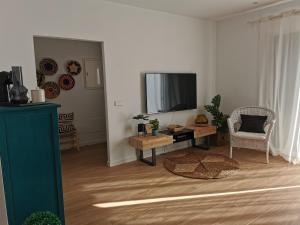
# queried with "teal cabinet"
point(30, 158)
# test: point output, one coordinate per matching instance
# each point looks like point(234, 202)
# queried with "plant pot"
point(220, 139)
point(148, 128)
point(154, 132)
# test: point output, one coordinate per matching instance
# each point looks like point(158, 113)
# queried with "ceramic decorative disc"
point(52, 90)
point(73, 67)
point(66, 82)
point(48, 66)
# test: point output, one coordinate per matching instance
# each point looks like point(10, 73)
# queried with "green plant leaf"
point(219, 119)
point(154, 123)
point(42, 218)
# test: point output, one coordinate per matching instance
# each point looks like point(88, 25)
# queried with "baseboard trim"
point(121, 161)
point(92, 142)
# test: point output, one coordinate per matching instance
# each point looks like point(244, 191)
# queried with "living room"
point(225, 45)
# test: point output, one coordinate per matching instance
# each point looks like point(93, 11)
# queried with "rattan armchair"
point(257, 141)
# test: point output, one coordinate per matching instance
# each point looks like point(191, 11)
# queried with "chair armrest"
point(230, 126)
point(270, 129)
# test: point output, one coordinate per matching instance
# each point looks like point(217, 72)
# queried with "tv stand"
point(164, 138)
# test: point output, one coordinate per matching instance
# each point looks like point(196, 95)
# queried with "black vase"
point(18, 94)
point(141, 128)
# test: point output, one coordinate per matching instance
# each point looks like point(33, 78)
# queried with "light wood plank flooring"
point(259, 194)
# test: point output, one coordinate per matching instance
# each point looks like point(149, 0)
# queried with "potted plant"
point(141, 122)
point(42, 218)
point(155, 126)
point(219, 120)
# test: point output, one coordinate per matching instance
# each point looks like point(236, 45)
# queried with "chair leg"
point(267, 154)
point(77, 142)
point(230, 152)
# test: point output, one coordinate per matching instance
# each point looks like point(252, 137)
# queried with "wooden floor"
point(258, 194)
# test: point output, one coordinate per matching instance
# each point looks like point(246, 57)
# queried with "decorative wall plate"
point(66, 82)
point(48, 66)
point(52, 90)
point(73, 67)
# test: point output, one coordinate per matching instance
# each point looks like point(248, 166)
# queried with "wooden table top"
point(203, 131)
point(149, 141)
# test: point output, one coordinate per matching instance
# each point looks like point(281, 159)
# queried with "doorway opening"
point(72, 74)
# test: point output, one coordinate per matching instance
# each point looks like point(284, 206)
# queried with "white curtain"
point(279, 73)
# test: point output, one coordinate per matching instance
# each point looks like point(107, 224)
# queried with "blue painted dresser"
point(30, 157)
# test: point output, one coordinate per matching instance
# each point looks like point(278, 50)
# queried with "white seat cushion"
point(248, 135)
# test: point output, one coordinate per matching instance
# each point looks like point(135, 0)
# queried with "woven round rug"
point(201, 165)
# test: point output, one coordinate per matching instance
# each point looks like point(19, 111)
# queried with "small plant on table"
point(155, 126)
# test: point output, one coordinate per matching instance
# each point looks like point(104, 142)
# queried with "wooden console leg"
point(194, 142)
point(153, 156)
point(151, 163)
point(205, 146)
point(141, 155)
point(208, 142)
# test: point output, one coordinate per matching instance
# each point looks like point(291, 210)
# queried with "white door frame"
point(101, 43)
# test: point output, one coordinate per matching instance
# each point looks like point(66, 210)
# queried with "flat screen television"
point(167, 92)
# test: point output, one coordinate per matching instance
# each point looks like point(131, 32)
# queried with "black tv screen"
point(167, 92)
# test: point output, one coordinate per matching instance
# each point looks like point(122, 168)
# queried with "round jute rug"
point(201, 165)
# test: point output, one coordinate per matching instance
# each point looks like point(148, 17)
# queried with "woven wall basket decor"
point(66, 82)
point(73, 67)
point(52, 90)
point(48, 66)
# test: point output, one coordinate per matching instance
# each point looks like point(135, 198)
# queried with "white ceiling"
point(207, 9)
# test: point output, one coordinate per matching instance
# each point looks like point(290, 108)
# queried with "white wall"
point(87, 104)
point(135, 40)
point(237, 77)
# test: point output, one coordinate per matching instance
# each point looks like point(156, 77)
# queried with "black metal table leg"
point(205, 146)
point(151, 163)
point(141, 155)
point(153, 156)
point(194, 142)
point(208, 141)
